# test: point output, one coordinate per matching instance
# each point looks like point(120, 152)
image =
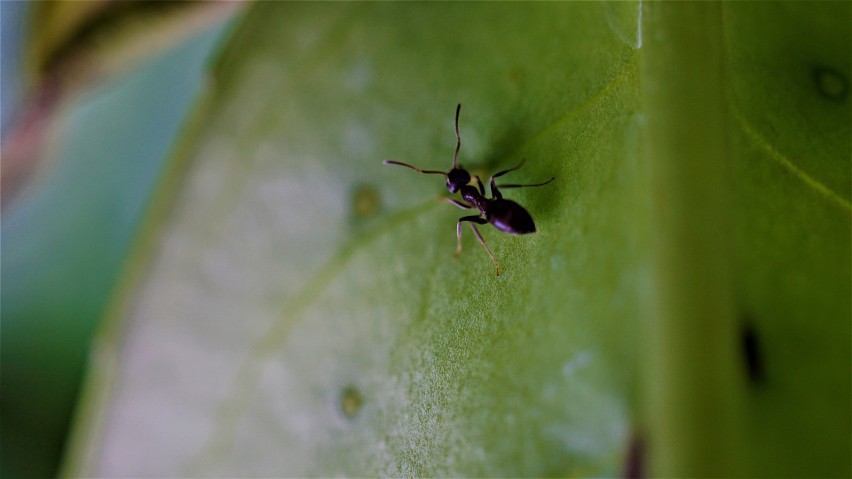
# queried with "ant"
point(506, 215)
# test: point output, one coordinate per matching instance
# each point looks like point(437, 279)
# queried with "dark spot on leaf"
point(831, 84)
point(351, 401)
point(751, 352)
point(516, 75)
point(365, 201)
point(634, 460)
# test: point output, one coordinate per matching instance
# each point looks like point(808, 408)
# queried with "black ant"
point(506, 215)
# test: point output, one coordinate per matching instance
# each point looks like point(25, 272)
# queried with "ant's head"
point(456, 178)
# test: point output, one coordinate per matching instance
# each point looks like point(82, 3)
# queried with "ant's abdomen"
point(510, 217)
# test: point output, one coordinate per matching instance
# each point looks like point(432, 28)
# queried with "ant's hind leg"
point(487, 249)
point(522, 186)
point(496, 193)
point(494, 186)
point(501, 173)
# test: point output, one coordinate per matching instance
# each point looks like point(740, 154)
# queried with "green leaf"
point(294, 308)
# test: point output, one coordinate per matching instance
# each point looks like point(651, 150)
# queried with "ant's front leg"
point(477, 220)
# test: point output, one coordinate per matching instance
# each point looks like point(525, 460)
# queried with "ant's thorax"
point(473, 197)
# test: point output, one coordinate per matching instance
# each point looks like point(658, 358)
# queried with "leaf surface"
point(295, 309)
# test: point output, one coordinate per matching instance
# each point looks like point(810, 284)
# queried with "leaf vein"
point(776, 155)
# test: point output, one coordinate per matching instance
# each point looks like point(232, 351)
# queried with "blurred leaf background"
point(84, 141)
point(290, 307)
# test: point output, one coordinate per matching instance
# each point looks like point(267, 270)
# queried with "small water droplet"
point(365, 201)
point(351, 401)
point(831, 83)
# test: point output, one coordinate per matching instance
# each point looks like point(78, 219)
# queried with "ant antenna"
point(457, 177)
point(458, 139)
point(436, 172)
point(425, 172)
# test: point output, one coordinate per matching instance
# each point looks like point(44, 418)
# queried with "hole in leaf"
point(831, 83)
point(752, 355)
point(634, 460)
point(365, 202)
point(351, 401)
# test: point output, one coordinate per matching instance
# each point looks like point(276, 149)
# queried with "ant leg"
point(533, 184)
point(481, 221)
point(510, 169)
point(496, 193)
point(485, 245)
point(458, 203)
point(497, 175)
point(472, 219)
point(480, 185)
